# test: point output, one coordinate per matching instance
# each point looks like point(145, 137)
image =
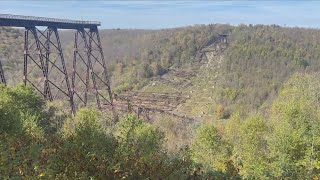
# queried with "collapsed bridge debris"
point(144, 103)
point(163, 101)
point(217, 45)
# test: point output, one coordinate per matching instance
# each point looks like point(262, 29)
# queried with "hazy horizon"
point(172, 14)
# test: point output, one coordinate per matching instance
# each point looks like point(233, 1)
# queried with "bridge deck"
point(29, 21)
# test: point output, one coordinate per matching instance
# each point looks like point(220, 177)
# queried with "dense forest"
point(254, 105)
point(42, 141)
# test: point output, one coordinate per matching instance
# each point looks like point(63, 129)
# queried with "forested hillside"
point(245, 109)
point(252, 69)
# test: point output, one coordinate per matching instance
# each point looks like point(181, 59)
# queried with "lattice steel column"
point(46, 66)
point(88, 55)
point(96, 48)
point(55, 68)
point(2, 78)
point(33, 72)
point(80, 70)
point(45, 55)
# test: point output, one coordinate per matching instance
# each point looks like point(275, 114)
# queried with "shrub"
point(139, 152)
point(209, 149)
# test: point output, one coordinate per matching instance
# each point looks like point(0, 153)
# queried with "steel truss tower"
point(44, 64)
point(43, 57)
point(90, 76)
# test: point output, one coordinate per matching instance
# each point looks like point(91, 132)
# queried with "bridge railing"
point(44, 19)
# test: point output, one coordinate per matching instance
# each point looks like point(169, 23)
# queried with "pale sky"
point(165, 14)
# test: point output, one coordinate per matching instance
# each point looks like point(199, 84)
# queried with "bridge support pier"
point(45, 67)
point(43, 57)
point(90, 75)
point(55, 65)
point(33, 61)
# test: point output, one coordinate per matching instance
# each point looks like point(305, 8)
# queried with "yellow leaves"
point(42, 174)
point(20, 171)
point(31, 126)
point(209, 149)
